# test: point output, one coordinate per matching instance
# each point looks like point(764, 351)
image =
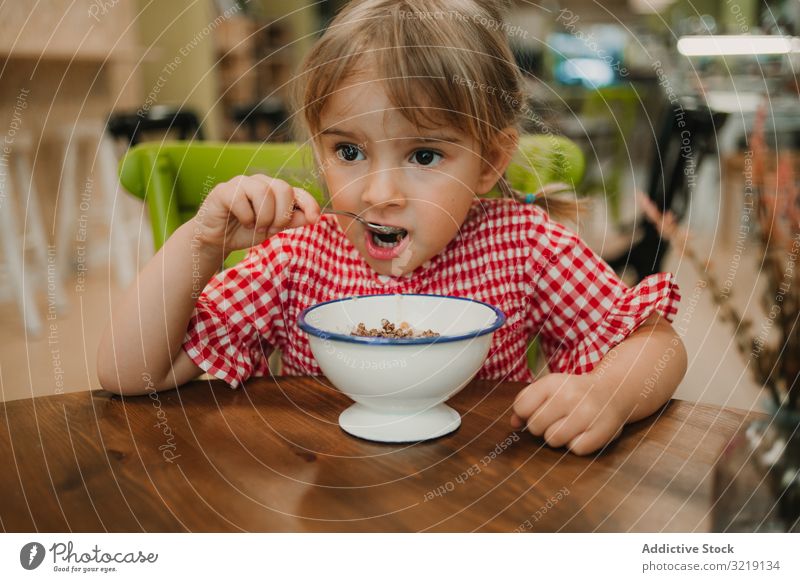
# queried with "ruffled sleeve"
point(581, 307)
point(232, 329)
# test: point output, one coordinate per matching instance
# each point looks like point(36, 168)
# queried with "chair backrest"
point(173, 178)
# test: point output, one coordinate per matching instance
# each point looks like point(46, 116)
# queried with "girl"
point(412, 107)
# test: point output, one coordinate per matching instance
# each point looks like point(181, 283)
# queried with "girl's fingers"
point(585, 443)
point(591, 440)
point(293, 206)
point(562, 431)
point(309, 210)
point(529, 400)
point(549, 412)
point(258, 188)
point(283, 194)
point(280, 197)
point(239, 207)
point(269, 205)
point(516, 421)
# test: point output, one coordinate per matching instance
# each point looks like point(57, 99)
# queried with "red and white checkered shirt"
point(507, 254)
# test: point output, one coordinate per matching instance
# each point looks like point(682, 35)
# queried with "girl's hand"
point(244, 211)
point(573, 410)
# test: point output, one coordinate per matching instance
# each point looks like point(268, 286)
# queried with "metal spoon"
point(379, 228)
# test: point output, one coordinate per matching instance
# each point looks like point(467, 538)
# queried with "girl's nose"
point(381, 190)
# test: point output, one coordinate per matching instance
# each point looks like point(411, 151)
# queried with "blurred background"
point(664, 97)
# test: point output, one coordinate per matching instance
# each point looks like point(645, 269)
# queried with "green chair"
point(173, 178)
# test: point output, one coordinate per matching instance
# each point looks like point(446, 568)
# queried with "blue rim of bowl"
point(500, 319)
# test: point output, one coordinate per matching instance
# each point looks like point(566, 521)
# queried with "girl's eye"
point(426, 157)
point(349, 152)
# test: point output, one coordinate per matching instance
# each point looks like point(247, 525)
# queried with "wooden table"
point(271, 457)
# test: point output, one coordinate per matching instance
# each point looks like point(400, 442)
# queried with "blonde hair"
point(443, 62)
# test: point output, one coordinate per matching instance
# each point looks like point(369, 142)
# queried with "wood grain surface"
point(271, 457)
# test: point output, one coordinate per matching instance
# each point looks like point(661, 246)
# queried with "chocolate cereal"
point(390, 330)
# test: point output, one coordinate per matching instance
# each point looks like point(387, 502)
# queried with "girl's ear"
point(497, 158)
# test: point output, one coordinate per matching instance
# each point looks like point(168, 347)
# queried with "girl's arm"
point(141, 345)
point(140, 350)
point(587, 411)
point(645, 369)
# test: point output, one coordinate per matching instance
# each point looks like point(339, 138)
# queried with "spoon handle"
point(374, 227)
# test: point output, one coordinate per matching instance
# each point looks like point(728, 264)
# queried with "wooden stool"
point(109, 205)
point(22, 234)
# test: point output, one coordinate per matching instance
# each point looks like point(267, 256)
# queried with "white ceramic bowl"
point(399, 385)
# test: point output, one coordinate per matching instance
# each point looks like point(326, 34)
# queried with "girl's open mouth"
point(386, 246)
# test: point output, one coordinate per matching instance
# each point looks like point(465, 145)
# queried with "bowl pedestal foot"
point(387, 427)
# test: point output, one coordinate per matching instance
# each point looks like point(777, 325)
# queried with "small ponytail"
point(552, 197)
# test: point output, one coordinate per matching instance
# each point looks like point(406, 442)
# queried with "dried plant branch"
point(777, 196)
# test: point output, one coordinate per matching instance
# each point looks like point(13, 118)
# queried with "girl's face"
point(378, 165)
